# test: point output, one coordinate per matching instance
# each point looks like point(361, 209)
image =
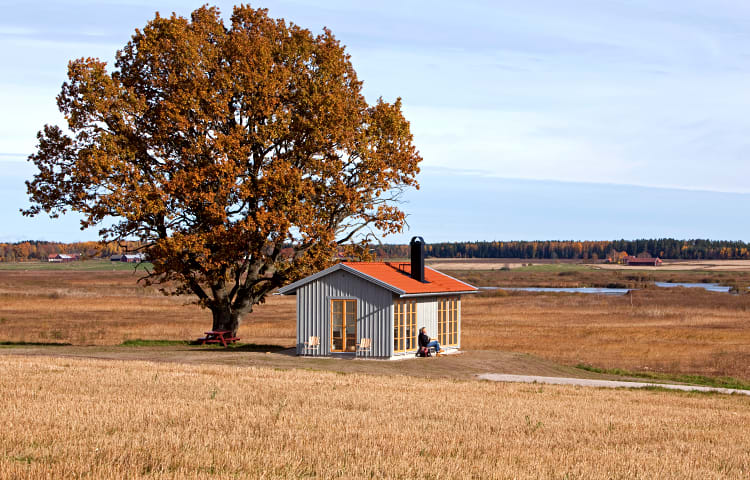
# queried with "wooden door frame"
point(330, 324)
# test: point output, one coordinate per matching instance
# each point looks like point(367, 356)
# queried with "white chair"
point(312, 345)
point(364, 345)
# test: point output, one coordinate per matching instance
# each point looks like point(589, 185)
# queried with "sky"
point(536, 120)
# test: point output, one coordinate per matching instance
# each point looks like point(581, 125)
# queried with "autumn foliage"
point(220, 146)
point(33, 250)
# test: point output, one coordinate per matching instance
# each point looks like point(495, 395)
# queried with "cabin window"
point(404, 325)
point(343, 325)
point(448, 321)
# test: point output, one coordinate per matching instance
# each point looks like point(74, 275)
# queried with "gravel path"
point(585, 382)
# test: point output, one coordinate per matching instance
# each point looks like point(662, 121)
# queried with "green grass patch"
point(27, 459)
point(654, 388)
point(718, 382)
point(95, 265)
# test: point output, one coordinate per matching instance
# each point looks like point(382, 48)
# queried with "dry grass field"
point(195, 412)
point(577, 275)
point(687, 331)
point(108, 307)
point(664, 330)
point(710, 265)
point(73, 418)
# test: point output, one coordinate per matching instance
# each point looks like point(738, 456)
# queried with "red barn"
point(643, 262)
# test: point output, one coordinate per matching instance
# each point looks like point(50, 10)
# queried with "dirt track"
point(463, 366)
point(587, 382)
point(709, 265)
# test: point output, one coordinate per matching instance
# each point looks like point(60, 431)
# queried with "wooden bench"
point(223, 337)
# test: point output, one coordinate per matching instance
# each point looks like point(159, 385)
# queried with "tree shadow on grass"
point(194, 345)
point(243, 347)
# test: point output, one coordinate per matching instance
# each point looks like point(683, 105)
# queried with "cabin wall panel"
point(374, 313)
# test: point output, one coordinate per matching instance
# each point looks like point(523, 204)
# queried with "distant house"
point(374, 309)
point(128, 258)
point(63, 258)
point(617, 257)
point(643, 262)
point(132, 258)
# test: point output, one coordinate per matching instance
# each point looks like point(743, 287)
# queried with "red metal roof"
point(398, 276)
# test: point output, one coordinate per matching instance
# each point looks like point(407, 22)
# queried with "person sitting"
point(425, 342)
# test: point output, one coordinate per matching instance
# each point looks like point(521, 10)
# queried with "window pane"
point(337, 319)
point(351, 313)
point(351, 337)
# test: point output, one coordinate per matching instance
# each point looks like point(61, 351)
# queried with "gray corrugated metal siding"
point(374, 312)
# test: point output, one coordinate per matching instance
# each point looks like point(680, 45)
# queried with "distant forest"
point(594, 250)
point(36, 250)
point(663, 247)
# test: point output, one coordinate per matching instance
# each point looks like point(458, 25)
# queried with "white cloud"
point(627, 92)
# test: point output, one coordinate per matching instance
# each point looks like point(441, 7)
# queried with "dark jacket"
point(423, 339)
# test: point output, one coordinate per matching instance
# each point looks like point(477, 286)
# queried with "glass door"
point(343, 325)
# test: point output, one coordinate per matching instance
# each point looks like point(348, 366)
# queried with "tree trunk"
point(226, 319)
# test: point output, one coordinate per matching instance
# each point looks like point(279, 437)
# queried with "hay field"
point(679, 330)
point(72, 418)
point(706, 265)
point(663, 330)
point(108, 307)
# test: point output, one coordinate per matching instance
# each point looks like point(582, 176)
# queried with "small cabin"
point(375, 309)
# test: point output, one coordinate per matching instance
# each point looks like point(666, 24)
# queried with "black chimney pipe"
point(417, 258)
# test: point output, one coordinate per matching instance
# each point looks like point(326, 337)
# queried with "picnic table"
point(218, 336)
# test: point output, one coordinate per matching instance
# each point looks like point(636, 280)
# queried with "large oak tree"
point(242, 156)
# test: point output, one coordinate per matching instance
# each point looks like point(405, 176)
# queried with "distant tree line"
point(670, 248)
point(33, 250)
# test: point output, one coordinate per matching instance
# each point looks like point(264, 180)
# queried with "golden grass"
point(107, 308)
point(71, 418)
point(675, 331)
